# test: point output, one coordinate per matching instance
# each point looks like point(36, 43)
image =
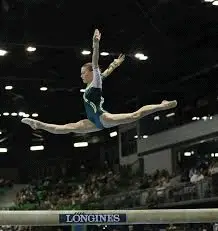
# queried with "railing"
point(153, 197)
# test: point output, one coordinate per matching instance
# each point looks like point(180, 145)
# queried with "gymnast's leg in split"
point(107, 119)
point(111, 120)
point(82, 126)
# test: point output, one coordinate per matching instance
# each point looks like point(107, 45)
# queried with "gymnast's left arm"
point(97, 80)
point(116, 63)
point(95, 54)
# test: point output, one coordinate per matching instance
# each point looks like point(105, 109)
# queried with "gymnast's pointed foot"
point(165, 105)
point(31, 122)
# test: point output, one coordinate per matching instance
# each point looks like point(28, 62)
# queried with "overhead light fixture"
point(144, 136)
point(26, 115)
point(43, 88)
point(3, 150)
point(0, 132)
point(80, 144)
point(3, 52)
point(21, 113)
point(138, 55)
point(215, 3)
point(14, 114)
point(136, 136)
point(35, 115)
point(141, 56)
point(37, 148)
point(104, 53)
point(187, 154)
point(8, 87)
point(31, 49)
point(170, 115)
point(113, 134)
point(85, 52)
point(82, 90)
point(5, 114)
point(157, 118)
point(204, 118)
point(208, 0)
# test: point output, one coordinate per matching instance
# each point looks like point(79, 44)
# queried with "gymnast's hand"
point(119, 60)
point(96, 36)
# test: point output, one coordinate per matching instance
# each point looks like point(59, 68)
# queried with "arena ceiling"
point(180, 39)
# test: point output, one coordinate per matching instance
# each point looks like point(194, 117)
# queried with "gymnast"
point(97, 117)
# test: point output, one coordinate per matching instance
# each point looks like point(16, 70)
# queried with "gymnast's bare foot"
point(168, 104)
point(31, 122)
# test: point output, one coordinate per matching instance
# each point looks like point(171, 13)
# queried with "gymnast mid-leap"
point(97, 117)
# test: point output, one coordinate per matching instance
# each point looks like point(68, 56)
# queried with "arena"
point(109, 114)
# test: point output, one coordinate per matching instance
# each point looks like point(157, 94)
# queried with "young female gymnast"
point(97, 117)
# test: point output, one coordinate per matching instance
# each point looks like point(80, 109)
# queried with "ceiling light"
point(37, 148)
point(35, 115)
point(3, 52)
point(3, 149)
point(187, 154)
point(21, 113)
point(215, 3)
point(157, 118)
point(43, 88)
point(141, 56)
point(26, 115)
point(80, 144)
point(8, 87)
point(14, 114)
point(104, 53)
point(113, 134)
point(5, 114)
point(31, 49)
point(204, 118)
point(85, 52)
point(170, 115)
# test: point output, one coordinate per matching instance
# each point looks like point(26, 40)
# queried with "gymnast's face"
point(86, 75)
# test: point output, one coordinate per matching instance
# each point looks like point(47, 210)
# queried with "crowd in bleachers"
point(4, 183)
point(184, 227)
point(51, 193)
point(93, 188)
point(55, 193)
point(28, 228)
point(69, 193)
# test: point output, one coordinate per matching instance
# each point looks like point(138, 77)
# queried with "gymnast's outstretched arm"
point(116, 63)
point(95, 46)
point(97, 79)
